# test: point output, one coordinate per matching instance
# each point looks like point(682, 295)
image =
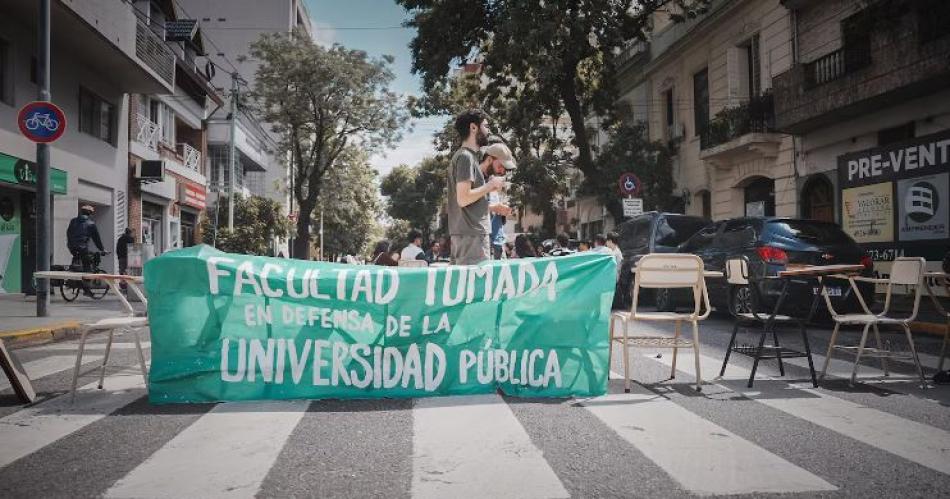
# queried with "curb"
point(39, 334)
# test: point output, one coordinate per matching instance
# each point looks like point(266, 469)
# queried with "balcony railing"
point(755, 116)
point(147, 132)
point(191, 157)
point(150, 48)
point(836, 64)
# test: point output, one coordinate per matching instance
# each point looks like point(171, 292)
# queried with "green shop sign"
point(14, 170)
point(237, 327)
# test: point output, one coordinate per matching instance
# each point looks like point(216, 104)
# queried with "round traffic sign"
point(629, 184)
point(42, 121)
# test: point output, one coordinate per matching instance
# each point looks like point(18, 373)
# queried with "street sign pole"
point(231, 149)
point(43, 226)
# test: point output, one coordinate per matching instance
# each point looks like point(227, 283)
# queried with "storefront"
point(18, 220)
point(895, 200)
point(191, 201)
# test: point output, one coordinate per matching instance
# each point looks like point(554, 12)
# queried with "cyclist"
point(81, 229)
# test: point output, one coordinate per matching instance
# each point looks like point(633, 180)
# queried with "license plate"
point(832, 290)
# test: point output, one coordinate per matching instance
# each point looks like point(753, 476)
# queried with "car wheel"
point(664, 300)
point(741, 300)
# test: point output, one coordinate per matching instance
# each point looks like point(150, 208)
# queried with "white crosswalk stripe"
point(913, 441)
point(33, 428)
point(475, 447)
point(46, 366)
point(226, 453)
point(702, 457)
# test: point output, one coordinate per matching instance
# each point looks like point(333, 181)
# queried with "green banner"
point(238, 327)
point(14, 170)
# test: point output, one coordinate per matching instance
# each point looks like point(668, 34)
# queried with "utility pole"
point(231, 149)
point(43, 231)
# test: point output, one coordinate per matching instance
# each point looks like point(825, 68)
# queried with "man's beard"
point(481, 138)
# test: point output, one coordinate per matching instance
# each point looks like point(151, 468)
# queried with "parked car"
point(771, 244)
point(651, 232)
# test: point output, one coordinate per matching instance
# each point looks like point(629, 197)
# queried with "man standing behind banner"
point(499, 162)
point(469, 223)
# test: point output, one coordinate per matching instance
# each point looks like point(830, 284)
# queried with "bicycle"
point(69, 289)
point(44, 120)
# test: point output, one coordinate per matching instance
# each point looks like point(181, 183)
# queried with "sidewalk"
point(19, 323)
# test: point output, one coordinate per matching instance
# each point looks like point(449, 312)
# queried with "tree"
point(319, 101)
point(397, 233)
point(350, 205)
point(258, 222)
point(629, 150)
point(416, 192)
point(566, 49)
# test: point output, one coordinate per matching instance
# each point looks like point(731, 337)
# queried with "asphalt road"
point(880, 438)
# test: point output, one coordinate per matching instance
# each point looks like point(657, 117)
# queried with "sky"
point(334, 22)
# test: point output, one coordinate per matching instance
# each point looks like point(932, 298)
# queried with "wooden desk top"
point(821, 270)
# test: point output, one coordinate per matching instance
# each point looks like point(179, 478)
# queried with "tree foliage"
point(350, 205)
point(629, 150)
point(562, 51)
point(415, 193)
point(320, 101)
point(257, 222)
point(397, 233)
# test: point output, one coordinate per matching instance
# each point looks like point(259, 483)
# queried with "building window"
point(668, 118)
point(705, 198)
point(896, 134)
point(856, 34)
point(6, 73)
point(760, 198)
point(97, 117)
point(701, 101)
point(753, 67)
point(932, 18)
point(818, 200)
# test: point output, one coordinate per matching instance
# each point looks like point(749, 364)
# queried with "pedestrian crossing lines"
point(479, 446)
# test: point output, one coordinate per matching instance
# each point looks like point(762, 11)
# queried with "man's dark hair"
point(563, 240)
point(414, 234)
point(476, 116)
point(600, 240)
point(613, 237)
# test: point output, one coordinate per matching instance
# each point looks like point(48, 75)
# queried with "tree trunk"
point(302, 241)
point(573, 106)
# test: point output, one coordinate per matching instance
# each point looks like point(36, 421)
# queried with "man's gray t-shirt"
point(472, 219)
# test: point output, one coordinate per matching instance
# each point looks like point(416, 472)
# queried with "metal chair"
point(907, 271)
point(737, 274)
point(110, 325)
point(671, 271)
point(413, 263)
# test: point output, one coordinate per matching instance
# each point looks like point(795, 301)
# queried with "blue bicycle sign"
point(42, 121)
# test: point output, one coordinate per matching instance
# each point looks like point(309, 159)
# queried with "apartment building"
point(868, 95)
point(705, 87)
point(168, 147)
point(101, 53)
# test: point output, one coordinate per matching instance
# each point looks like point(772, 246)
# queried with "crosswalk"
point(778, 437)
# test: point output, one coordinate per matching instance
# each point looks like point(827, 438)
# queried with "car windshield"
point(674, 230)
point(809, 231)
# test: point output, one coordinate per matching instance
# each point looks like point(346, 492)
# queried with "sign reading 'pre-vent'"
point(920, 156)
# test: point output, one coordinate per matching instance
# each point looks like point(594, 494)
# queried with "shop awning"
point(14, 170)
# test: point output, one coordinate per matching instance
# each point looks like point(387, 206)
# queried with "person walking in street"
point(81, 230)
point(467, 200)
point(122, 249)
point(413, 251)
point(499, 163)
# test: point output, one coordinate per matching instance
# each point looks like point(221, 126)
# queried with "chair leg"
point(880, 346)
point(138, 347)
point(831, 349)
point(758, 355)
point(676, 337)
point(82, 346)
point(857, 358)
point(699, 373)
point(778, 352)
point(811, 363)
point(105, 359)
point(626, 361)
point(732, 342)
point(913, 350)
point(610, 345)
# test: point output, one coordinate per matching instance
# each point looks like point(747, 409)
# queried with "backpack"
point(76, 237)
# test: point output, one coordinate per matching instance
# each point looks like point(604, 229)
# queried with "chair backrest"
point(413, 263)
point(669, 270)
point(907, 270)
point(737, 271)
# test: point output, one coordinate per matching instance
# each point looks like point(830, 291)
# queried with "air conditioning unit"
point(148, 171)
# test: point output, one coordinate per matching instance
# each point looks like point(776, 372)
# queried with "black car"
point(771, 244)
point(651, 232)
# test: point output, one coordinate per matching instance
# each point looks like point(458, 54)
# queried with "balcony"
point(150, 48)
point(903, 59)
point(742, 130)
point(191, 157)
point(146, 135)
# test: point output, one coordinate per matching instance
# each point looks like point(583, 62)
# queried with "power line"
point(328, 28)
